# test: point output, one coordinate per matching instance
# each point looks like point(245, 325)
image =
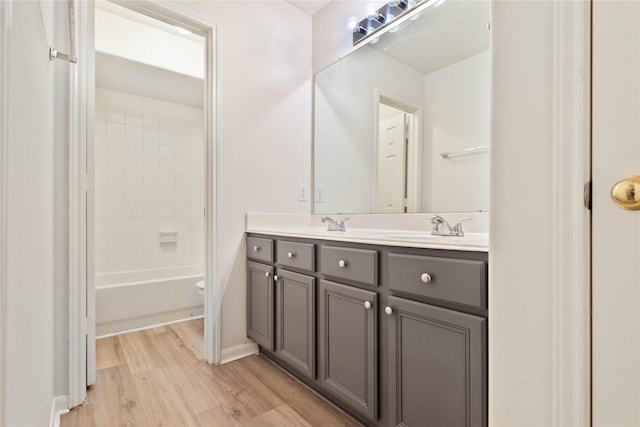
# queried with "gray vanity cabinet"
point(260, 299)
point(295, 321)
point(437, 374)
point(348, 346)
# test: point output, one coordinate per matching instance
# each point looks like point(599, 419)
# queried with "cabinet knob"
point(342, 263)
point(388, 311)
point(367, 305)
point(266, 273)
point(426, 277)
point(275, 278)
point(256, 248)
point(291, 254)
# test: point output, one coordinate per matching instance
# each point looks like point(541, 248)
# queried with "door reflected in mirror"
point(402, 125)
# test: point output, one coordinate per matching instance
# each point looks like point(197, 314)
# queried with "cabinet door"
point(348, 347)
point(295, 321)
point(260, 304)
point(437, 360)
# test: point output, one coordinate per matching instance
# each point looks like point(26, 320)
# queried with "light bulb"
point(352, 23)
point(372, 11)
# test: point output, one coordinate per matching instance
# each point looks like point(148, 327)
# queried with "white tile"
point(167, 152)
point(134, 179)
point(101, 240)
point(182, 126)
point(133, 194)
point(151, 209)
point(151, 195)
point(167, 123)
point(115, 240)
point(183, 225)
point(196, 130)
point(151, 224)
point(116, 161)
point(135, 148)
point(134, 240)
point(151, 106)
point(117, 146)
point(167, 209)
point(167, 181)
point(151, 121)
point(196, 115)
point(197, 142)
point(134, 133)
point(101, 112)
point(101, 161)
point(100, 207)
point(115, 193)
point(151, 165)
point(100, 128)
point(151, 135)
point(166, 137)
point(183, 168)
point(115, 115)
point(182, 196)
point(182, 111)
point(134, 105)
point(166, 108)
point(134, 164)
point(135, 209)
point(132, 225)
point(115, 177)
point(182, 183)
point(135, 120)
point(151, 150)
point(197, 246)
point(167, 195)
point(183, 154)
point(117, 209)
point(197, 224)
point(151, 180)
point(197, 210)
point(183, 209)
point(182, 140)
point(167, 166)
point(167, 223)
point(196, 196)
point(100, 259)
point(100, 177)
point(167, 254)
point(115, 130)
point(197, 169)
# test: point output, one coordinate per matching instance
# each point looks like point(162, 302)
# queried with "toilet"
point(200, 289)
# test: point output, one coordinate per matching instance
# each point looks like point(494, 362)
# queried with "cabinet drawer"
point(452, 280)
point(296, 255)
point(260, 249)
point(359, 265)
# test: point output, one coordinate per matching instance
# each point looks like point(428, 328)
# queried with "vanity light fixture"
point(377, 18)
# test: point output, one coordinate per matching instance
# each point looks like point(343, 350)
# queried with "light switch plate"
point(303, 191)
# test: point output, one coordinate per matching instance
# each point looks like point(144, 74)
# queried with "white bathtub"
point(139, 299)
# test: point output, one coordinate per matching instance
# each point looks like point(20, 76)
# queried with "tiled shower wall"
point(149, 177)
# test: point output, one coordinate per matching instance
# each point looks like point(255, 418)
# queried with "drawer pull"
point(367, 305)
point(426, 277)
point(267, 274)
point(388, 311)
point(275, 278)
point(256, 248)
point(342, 263)
point(291, 254)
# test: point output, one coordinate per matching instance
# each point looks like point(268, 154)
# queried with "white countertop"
point(472, 241)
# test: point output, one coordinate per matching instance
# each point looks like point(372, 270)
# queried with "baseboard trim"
point(59, 406)
point(238, 352)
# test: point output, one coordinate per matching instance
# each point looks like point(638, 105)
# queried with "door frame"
point(414, 148)
point(81, 302)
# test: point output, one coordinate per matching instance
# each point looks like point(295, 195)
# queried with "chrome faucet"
point(456, 230)
point(333, 225)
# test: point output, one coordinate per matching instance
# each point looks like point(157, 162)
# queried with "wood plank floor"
point(157, 377)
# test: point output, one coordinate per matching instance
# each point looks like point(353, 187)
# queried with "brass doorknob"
point(626, 193)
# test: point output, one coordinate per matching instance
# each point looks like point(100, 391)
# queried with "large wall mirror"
point(402, 123)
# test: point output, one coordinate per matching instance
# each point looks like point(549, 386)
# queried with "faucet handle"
point(436, 219)
point(458, 227)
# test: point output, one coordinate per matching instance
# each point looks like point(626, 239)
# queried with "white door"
point(391, 170)
point(616, 232)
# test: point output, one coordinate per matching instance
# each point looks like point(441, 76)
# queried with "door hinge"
point(587, 195)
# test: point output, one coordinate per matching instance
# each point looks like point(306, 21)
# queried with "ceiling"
point(309, 6)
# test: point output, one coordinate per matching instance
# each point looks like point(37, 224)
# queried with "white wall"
point(346, 130)
point(119, 36)
point(265, 129)
point(29, 382)
point(456, 117)
point(149, 177)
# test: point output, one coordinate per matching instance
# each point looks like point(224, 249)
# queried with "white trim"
point(78, 214)
point(59, 406)
point(571, 263)
point(144, 328)
point(238, 352)
point(5, 18)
